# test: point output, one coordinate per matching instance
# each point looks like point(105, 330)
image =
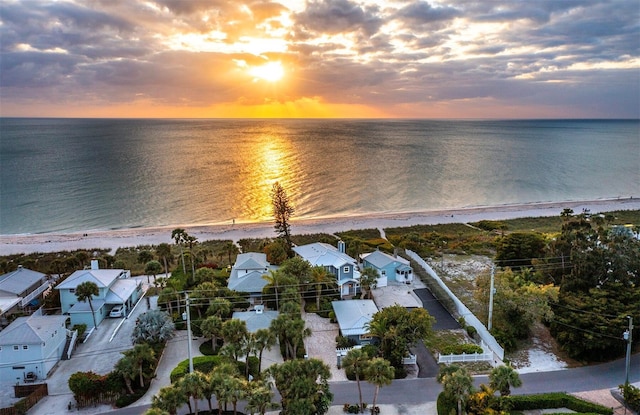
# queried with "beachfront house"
point(115, 288)
point(21, 289)
point(31, 346)
point(353, 318)
point(247, 275)
point(335, 261)
point(391, 268)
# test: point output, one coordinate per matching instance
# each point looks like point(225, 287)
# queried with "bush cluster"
point(556, 400)
point(467, 348)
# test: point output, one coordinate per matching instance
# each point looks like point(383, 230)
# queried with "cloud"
point(580, 56)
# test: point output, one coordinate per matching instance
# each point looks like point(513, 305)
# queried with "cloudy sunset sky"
point(326, 58)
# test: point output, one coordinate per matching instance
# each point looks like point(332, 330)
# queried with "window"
point(25, 347)
point(72, 290)
point(383, 272)
point(16, 347)
point(365, 337)
point(346, 269)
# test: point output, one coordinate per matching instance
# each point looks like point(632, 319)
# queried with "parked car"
point(117, 311)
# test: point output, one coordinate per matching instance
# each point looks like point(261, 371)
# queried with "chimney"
point(94, 264)
point(19, 267)
point(341, 246)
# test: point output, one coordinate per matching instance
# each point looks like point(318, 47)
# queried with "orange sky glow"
point(319, 59)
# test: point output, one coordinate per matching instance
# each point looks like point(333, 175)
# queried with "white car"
point(117, 311)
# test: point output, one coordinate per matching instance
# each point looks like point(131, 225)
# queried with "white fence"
point(485, 356)
point(462, 309)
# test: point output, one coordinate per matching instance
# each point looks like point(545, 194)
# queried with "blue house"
point(335, 261)
point(390, 267)
point(115, 288)
point(31, 346)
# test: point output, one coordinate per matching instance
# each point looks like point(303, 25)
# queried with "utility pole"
point(491, 292)
point(628, 337)
point(187, 316)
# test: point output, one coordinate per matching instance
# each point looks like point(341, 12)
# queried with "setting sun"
point(272, 71)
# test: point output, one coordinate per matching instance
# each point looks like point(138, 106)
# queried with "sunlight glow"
point(271, 72)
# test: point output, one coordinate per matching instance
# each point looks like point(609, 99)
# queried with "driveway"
point(99, 354)
point(444, 320)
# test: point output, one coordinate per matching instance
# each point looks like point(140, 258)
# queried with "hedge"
point(205, 364)
point(556, 400)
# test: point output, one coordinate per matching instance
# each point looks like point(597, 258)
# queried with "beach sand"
point(113, 239)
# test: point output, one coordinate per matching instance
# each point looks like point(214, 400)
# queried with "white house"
point(246, 275)
point(115, 288)
point(389, 267)
point(31, 346)
point(334, 260)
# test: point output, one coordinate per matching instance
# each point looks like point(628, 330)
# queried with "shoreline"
point(128, 237)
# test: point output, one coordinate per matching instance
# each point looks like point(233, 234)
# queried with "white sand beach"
point(113, 239)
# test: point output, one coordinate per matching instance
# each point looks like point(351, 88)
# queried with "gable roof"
point(120, 291)
point(103, 278)
point(251, 282)
point(323, 254)
point(380, 259)
point(32, 329)
point(354, 315)
point(16, 282)
point(251, 260)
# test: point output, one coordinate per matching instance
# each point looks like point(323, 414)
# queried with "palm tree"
point(274, 279)
point(502, 378)
point(166, 296)
point(191, 241)
point(380, 373)
point(263, 339)
point(235, 334)
point(212, 328)
point(127, 368)
point(368, 281)
point(152, 267)
point(169, 399)
point(356, 360)
point(237, 391)
point(178, 235)
point(231, 249)
point(163, 251)
point(457, 384)
point(84, 292)
point(140, 354)
point(217, 378)
point(321, 277)
point(259, 397)
point(193, 385)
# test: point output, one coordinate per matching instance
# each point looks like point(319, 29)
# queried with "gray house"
point(246, 275)
point(21, 288)
point(354, 317)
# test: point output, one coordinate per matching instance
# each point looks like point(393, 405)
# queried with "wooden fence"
point(23, 405)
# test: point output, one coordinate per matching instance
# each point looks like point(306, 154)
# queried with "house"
point(354, 317)
point(21, 289)
point(115, 288)
point(246, 275)
point(31, 346)
point(334, 260)
point(389, 267)
point(256, 319)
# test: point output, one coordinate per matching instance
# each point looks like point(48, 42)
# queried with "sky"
point(320, 58)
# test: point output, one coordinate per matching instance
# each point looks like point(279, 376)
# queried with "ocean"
point(63, 175)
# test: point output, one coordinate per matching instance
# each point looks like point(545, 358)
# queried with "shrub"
point(631, 396)
point(82, 328)
point(467, 348)
point(344, 342)
point(445, 405)
point(555, 400)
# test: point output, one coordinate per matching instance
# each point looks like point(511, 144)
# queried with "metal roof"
point(354, 315)
point(380, 259)
point(18, 281)
point(103, 278)
point(32, 330)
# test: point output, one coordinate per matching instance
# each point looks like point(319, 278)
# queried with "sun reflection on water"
point(271, 159)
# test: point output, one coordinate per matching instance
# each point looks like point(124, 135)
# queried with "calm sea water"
point(86, 174)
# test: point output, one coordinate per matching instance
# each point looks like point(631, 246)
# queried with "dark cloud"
point(339, 16)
